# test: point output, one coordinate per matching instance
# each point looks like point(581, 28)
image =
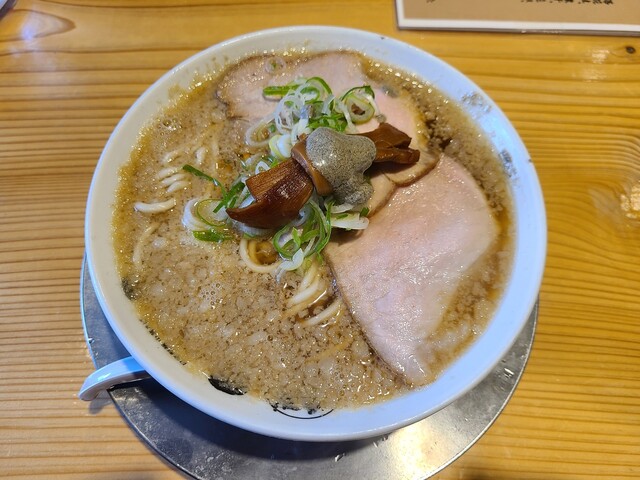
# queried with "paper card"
point(576, 16)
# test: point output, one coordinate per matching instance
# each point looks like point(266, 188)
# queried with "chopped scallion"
point(212, 235)
point(199, 173)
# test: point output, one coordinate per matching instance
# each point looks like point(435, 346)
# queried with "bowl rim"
point(528, 259)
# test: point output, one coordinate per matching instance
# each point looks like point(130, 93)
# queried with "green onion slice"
point(212, 235)
point(312, 236)
point(206, 211)
point(230, 197)
point(361, 91)
point(276, 91)
point(335, 122)
point(200, 173)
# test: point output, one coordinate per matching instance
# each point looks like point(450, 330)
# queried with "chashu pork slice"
point(241, 89)
point(400, 111)
point(399, 275)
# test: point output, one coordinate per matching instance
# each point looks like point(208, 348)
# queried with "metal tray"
point(208, 449)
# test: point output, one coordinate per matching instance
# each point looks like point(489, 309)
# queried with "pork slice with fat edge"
point(400, 274)
point(241, 89)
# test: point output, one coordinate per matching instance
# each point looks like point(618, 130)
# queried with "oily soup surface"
point(218, 317)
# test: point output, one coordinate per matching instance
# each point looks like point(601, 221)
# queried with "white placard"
point(570, 16)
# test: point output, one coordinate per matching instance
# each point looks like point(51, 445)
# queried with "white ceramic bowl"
point(257, 415)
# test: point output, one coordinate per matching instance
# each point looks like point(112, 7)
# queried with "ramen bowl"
point(255, 414)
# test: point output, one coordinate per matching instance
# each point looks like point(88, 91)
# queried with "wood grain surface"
point(70, 69)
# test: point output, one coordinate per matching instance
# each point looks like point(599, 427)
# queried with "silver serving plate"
point(208, 449)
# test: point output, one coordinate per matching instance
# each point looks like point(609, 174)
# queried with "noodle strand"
point(253, 266)
point(136, 258)
point(328, 312)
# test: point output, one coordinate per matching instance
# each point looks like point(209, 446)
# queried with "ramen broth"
point(234, 325)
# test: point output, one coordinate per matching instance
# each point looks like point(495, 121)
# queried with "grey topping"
point(342, 159)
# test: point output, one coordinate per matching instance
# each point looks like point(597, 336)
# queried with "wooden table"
point(70, 69)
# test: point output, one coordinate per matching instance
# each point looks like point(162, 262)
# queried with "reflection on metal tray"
point(208, 449)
